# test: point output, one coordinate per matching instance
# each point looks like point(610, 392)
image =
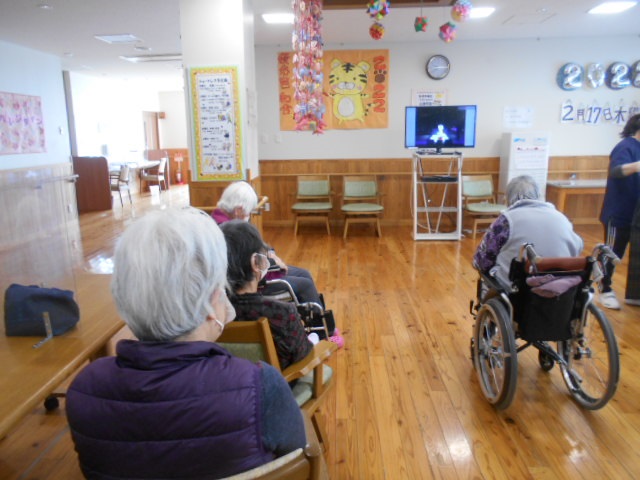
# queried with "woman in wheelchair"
point(527, 220)
point(247, 256)
point(238, 200)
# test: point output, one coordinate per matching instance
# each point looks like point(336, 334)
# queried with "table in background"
point(560, 189)
point(29, 375)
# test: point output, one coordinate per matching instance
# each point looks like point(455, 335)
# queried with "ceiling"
point(67, 30)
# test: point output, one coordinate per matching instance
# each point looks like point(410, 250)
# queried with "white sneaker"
point(632, 301)
point(609, 300)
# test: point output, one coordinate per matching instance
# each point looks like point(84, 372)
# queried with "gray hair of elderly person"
point(238, 194)
point(167, 266)
point(521, 188)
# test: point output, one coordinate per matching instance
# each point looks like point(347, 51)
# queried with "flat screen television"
point(440, 127)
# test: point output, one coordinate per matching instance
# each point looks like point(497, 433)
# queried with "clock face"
point(438, 67)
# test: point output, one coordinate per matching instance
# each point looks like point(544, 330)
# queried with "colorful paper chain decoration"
point(307, 66)
point(461, 10)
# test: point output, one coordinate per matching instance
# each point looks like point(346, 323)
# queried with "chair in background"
point(313, 200)
point(253, 340)
point(119, 181)
point(157, 176)
point(356, 191)
point(479, 200)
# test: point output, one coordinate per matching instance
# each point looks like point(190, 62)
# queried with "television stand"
point(437, 192)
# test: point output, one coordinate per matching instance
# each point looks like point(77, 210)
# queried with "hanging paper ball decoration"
point(461, 10)
point(307, 66)
point(378, 9)
point(421, 24)
point(448, 32)
point(376, 31)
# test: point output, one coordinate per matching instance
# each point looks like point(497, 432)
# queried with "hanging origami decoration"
point(448, 32)
point(307, 65)
point(376, 31)
point(421, 24)
point(378, 9)
point(461, 10)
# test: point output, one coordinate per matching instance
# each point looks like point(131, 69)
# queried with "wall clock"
point(438, 67)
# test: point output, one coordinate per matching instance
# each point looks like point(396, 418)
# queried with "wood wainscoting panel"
point(394, 179)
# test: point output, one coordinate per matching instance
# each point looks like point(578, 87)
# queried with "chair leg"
point(295, 226)
point(328, 227)
point(130, 201)
point(120, 194)
point(475, 227)
point(378, 227)
point(346, 228)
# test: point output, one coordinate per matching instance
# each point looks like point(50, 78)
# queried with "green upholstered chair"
point(313, 200)
point(479, 200)
point(253, 340)
point(361, 201)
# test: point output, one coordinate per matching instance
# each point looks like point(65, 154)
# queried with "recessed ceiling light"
point(612, 7)
point(161, 57)
point(45, 6)
point(481, 12)
point(140, 48)
point(118, 38)
point(274, 18)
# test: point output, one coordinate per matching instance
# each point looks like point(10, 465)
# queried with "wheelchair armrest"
point(318, 355)
point(495, 283)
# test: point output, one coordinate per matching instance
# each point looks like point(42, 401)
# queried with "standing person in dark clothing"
point(620, 200)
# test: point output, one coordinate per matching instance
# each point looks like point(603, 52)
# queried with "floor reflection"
point(100, 264)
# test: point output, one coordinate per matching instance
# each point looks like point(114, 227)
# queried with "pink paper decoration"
point(376, 31)
point(448, 32)
point(307, 65)
point(421, 24)
point(461, 10)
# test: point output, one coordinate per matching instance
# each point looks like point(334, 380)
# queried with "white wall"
point(173, 128)
point(28, 72)
point(491, 74)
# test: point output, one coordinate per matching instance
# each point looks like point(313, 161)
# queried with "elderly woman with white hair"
point(527, 220)
point(174, 404)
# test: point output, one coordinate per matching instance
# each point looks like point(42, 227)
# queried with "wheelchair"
point(511, 318)
point(315, 317)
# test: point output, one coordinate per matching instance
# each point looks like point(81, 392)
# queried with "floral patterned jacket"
point(286, 325)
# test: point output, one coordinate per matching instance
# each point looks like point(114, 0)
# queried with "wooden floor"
point(407, 403)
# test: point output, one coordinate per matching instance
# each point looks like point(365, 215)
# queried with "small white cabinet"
point(437, 196)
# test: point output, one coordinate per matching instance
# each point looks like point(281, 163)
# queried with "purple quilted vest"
point(167, 410)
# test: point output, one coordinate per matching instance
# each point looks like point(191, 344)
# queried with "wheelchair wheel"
point(495, 354)
point(546, 361)
point(593, 363)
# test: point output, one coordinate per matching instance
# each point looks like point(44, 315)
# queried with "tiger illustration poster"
point(355, 88)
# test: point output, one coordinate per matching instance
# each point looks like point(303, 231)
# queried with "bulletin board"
point(217, 125)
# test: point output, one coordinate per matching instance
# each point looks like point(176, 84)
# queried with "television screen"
point(438, 127)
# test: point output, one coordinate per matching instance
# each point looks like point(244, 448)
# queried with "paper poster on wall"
point(428, 98)
point(21, 124)
point(216, 120)
point(517, 118)
point(356, 87)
